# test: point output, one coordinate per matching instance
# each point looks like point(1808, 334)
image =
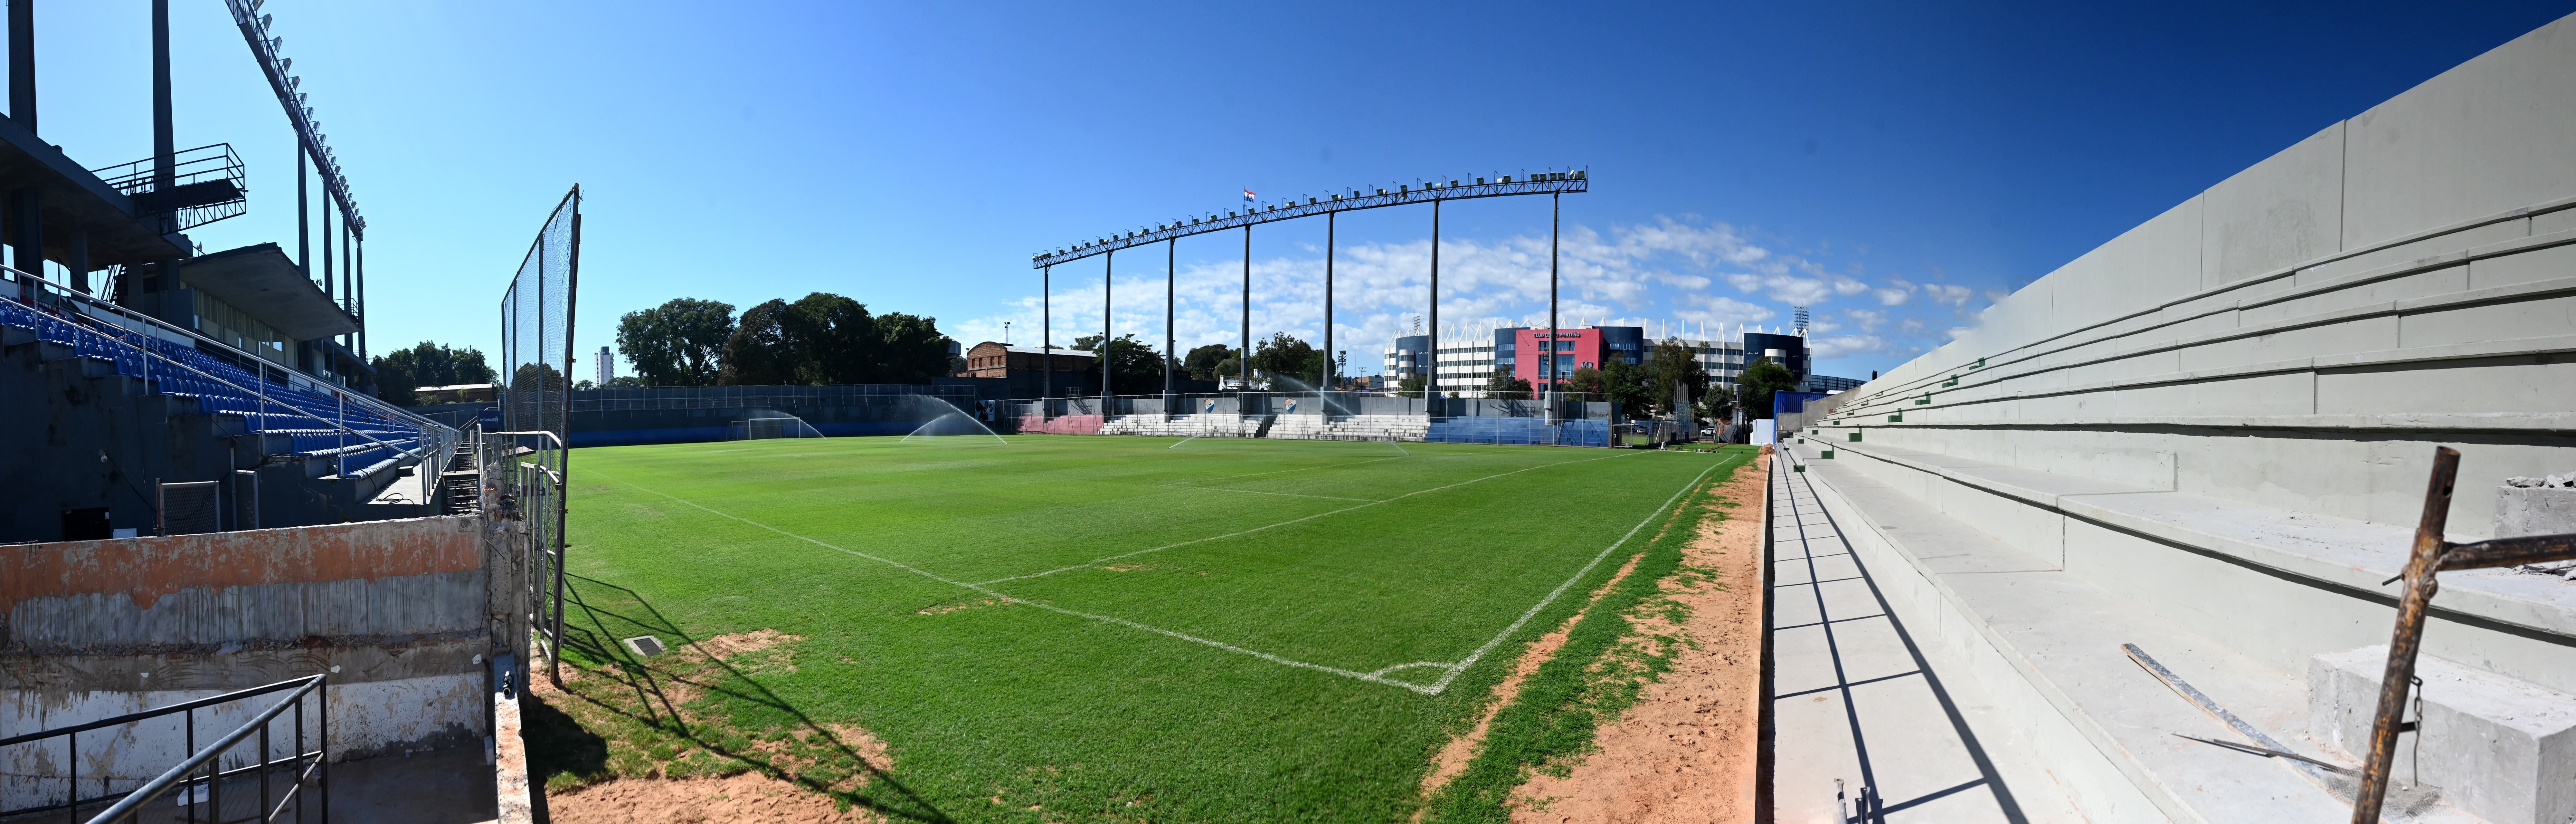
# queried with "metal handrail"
point(133, 802)
point(427, 426)
point(128, 718)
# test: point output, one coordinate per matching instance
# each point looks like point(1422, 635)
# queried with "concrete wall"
point(395, 611)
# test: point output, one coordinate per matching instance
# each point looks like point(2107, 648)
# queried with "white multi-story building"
point(1462, 365)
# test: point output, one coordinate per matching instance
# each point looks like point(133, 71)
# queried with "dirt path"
point(1685, 752)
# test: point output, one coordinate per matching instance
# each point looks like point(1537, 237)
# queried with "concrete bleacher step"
point(2050, 640)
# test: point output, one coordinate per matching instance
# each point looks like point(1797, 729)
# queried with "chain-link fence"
point(524, 464)
point(768, 397)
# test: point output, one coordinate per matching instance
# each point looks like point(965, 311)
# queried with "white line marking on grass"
point(1283, 471)
point(1289, 494)
point(1364, 676)
point(1096, 561)
point(1177, 444)
point(1479, 654)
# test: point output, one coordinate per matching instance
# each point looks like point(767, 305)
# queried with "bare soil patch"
point(1686, 751)
point(944, 609)
point(736, 799)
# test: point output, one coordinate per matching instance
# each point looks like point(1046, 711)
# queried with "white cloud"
point(1951, 294)
point(1847, 286)
point(1895, 293)
point(1828, 348)
point(1869, 319)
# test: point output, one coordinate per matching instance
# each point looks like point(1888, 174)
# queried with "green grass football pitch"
point(1106, 628)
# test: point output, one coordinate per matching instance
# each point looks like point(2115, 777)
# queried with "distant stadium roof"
point(262, 282)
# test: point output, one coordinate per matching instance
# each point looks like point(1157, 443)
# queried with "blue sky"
point(1893, 165)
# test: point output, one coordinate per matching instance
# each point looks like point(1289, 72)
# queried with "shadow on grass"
point(559, 745)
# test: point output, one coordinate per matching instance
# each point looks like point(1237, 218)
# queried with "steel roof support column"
point(1046, 340)
point(326, 243)
point(361, 264)
point(22, 66)
point(27, 242)
point(303, 216)
point(165, 145)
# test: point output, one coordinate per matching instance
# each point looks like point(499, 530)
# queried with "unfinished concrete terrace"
point(2206, 445)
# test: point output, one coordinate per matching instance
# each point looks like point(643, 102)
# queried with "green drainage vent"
point(1981, 364)
point(1896, 418)
point(1954, 381)
point(1926, 399)
point(1828, 455)
point(1855, 436)
point(1798, 467)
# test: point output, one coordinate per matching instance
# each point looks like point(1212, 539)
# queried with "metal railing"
point(436, 437)
point(201, 778)
point(527, 485)
point(207, 184)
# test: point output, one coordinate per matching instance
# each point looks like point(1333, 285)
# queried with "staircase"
point(460, 486)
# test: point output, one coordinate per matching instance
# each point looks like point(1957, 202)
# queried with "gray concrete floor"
point(1852, 699)
point(450, 786)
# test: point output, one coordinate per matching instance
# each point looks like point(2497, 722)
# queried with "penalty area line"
point(1376, 678)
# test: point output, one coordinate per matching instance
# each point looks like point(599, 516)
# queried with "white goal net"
point(785, 426)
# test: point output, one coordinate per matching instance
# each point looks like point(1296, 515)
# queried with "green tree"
point(760, 351)
point(1629, 385)
point(1134, 367)
point(401, 372)
point(1409, 384)
point(910, 349)
point(1285, 359)
point(1761, 378)
point(1672, 365)
point(1203, 362)
point(1502, 385)
point(1585, 380)
point(679, 343)
point(833, 339)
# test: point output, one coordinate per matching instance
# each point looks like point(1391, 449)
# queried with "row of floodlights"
point(324, 156)
point(1355, 194)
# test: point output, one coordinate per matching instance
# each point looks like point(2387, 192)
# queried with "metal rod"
point(1572, 183)
point(1552, 211)
point(2420, 585)
point(164, 144)
point(563, 449)
point(303, 218)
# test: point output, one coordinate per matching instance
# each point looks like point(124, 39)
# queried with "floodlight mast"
point(1555, 183)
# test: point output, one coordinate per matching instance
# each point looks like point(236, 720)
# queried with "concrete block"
point(2548, 222)
point(2535, 510)
point(2332, 299)
point(2412, 251)
point(2536, 265)
point(2283, 211)
point(2501, 749)
point(2524, 383)
point(2143, 268)
point(2484, 138)
point(2487, 322)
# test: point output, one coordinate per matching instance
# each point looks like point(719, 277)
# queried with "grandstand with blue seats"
point(133, 363)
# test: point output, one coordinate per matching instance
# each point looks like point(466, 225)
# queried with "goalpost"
point(784, 426)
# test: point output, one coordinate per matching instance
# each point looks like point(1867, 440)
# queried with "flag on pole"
point(1247, 195)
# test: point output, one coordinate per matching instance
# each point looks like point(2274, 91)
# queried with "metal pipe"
point(2421, 583)
point(1431, 373)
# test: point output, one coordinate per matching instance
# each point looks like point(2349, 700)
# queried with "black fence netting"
point(523, 464)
